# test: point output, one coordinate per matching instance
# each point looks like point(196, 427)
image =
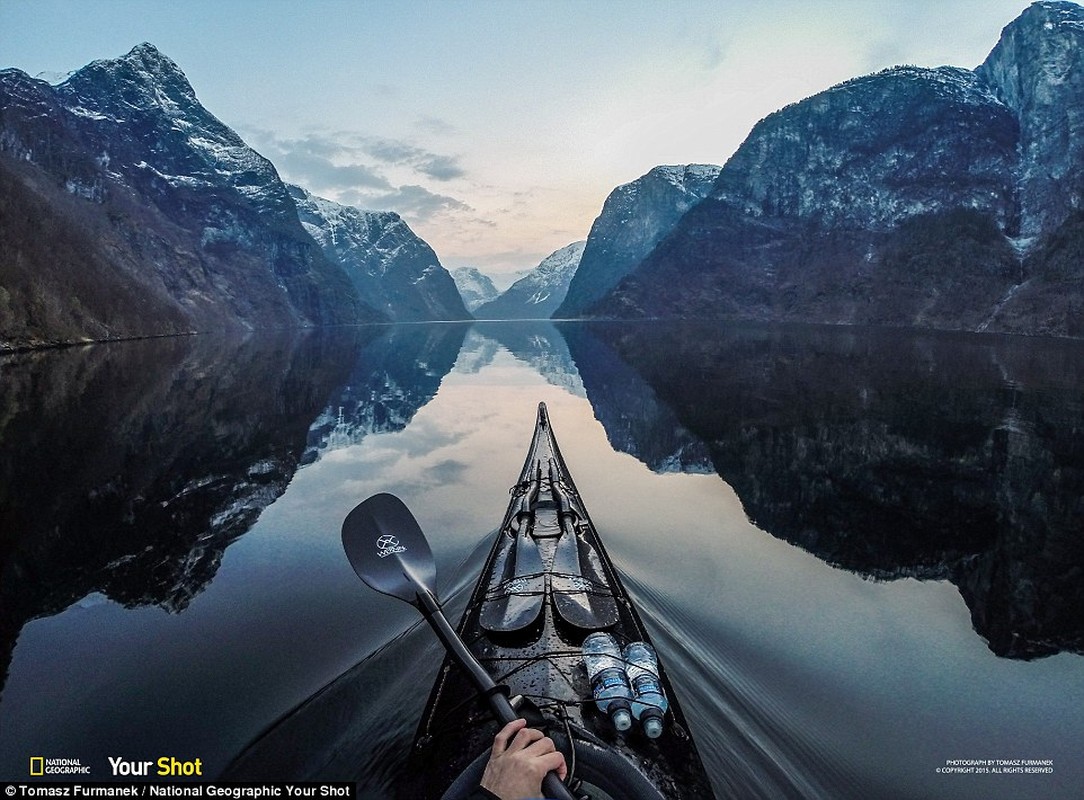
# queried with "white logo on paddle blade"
point(387, 544)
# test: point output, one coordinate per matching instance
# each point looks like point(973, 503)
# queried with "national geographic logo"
point(41, 766)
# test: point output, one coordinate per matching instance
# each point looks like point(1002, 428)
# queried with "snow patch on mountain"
point(537, 294)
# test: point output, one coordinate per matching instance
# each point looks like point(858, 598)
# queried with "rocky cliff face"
point(634, 218)
point(928, 197)
point(1037, 71)
point(119, 185)
point(391, 268)
point(875, 150)
point(538, 293)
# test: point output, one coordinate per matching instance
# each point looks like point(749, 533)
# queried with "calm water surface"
point(859, 552)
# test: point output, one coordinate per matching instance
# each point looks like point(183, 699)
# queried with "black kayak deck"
point(547, 583)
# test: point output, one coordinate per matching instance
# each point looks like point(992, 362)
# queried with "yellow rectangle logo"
point(37, 766)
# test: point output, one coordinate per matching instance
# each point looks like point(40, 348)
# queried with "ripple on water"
point(754, 745)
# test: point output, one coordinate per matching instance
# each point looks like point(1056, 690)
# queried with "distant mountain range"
point(943, 198)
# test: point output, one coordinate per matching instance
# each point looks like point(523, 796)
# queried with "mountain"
point(538, 293)
point(945, 198)
point(634, 218)
point(1037, 70)
point(474, 287)
point(130, 210)
point(391, 268)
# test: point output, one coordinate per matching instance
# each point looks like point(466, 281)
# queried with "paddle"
point(388, 551)
point(516, 602)
point(514, 599)
point(578, 585)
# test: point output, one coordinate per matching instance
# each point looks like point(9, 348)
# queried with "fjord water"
point(858, 551)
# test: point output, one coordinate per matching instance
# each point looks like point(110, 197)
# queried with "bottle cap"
point(622, 719)
point(653, 727)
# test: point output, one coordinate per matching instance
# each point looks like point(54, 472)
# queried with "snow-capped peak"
point(474, 286)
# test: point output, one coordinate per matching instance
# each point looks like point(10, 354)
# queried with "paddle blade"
point(387, 548)
point(578, 585)
point(516, 601)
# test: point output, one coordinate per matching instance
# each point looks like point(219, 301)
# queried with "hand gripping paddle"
point(388, 551)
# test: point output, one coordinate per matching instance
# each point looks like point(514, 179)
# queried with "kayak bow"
point(546, 585)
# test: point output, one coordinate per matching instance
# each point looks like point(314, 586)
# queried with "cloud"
point(435, 125)
point(441, 168)
point(354, 168)
point(436, 166)
point(446, 472)
point(313, 170)
point(315, 144)
point(417, 202)
point(317, 161)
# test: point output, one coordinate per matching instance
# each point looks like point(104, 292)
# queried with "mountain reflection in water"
point(127, 469)
point(892, 455)
point(131, 473)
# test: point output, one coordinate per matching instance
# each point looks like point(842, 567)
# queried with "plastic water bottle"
point(649, 702)
point(609, 684)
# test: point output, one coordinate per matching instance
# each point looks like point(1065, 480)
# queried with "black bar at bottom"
point(88, 790)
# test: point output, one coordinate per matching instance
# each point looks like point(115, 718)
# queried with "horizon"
point(504, 151)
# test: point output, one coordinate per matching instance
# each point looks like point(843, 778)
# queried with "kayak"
point(547, 585)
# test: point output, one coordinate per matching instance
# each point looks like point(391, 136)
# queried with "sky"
point(497, 128)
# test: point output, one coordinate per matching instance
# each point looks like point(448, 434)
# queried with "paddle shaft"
point(498, 701)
